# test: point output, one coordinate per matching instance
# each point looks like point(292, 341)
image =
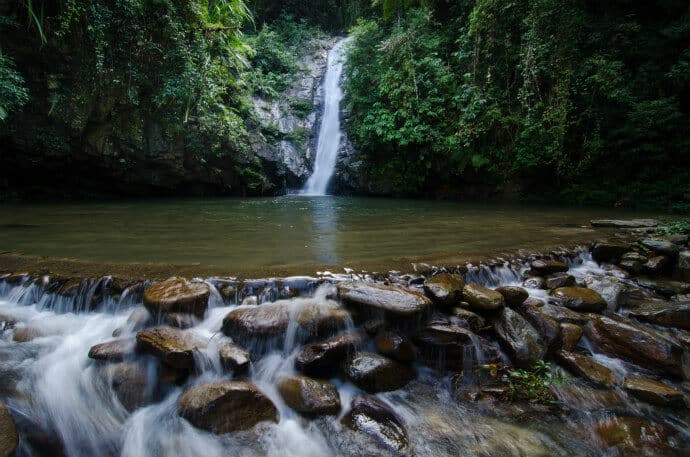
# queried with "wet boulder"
point(547, 267)
point(586, 368)
point(322, 359)
point(180, 320)
point(609, 252)
point(372, 417)
point(548, 328)
point(652, 391)
point(636, 436)
point(571, 335)
point(580, 299)
point(130, 382)
point(172, 346)
point(632, 262)
point(226, 406)
point(234, 358)
point(559, 280)
point(513, 295)
point(467, 319)
point(394, 300)
point(7, 322)
point(482, 299)
point(519, 338)
point(177, 295)
point(683, 265)
point(657, 265)
point(395, 346)
point(9, 439)
point(445, 346)
point(534, 282)
point(376, 373)
point(137, 320)
point(445, 289)
point(663, 247)
point(116, 350)
point(610, 289)
point(564, 315)
point(665, 287)
point(667, 314)
point(309, 396)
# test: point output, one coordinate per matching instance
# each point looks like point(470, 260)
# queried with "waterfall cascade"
point(329, 130)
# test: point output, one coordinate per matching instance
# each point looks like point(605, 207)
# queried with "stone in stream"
point(667, 314)
point(635, 436)
point(394, 300)
point(445, 289)
point(444, 346)
point(663, 247)
point(9, 439)
point(482, 299)
point(534, 282)
point(116, 350)
point(26, 334)
point(548, 328)
point(180, 320)
point(621, 338)
point(513, 295)
point(657, 265)
point(652, 391)
point(130, 382)
point(586, 368)
point(580, 299)
point(520, 339)
point(564, 315)
point(177, 295)
point(467, 319)
point(633, 262)
point(226, 406)
point(547, 267)
point(683, 265)
point(559, 280)
point(372, 417)
point(7, 322)
point(137, 320)
point(571, 335)
point(629, 223)
point(665, 287)
point(234, 358)
point(323, 359)
point(172, 346)
point(309, 396)
point(608, 251)
point(376, 373)
point(395, 346)
point(611, 289)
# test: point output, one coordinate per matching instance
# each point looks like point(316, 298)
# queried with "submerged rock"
point(116, 350)
point(177, 295)
point(323, 359)
point(395, 346)
point(652, 391)
point(636, 436)
point(234, 358)
point(226, 406)
point(372, 417)
point(180, 320)
point(580, 299)
point(376, 373)
point(520, 339)
point(445, 289)
point(586, 368)
point(172, 346)
point(309, 396)
point(482, 299)
point(668, 314)
point(9, 439)
point(445, 346)
point(130, 382)
point(395, 300)
point(547, 267)
point(513, 295)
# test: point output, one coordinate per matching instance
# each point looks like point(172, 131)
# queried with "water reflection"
point(324, 212)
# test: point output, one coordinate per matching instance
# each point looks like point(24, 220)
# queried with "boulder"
point(482, 299)
point(635, 436)
point(609, 252)
point(234, 358)
point(7, 322)
point(663, 247)
point(444, 346)
point(116, 350)
point(548, 328)
point(376, 373)
point(513, 295)
point(9, 439)
point(628, 223)
point(519, 338)
point(665, 287)
point(180, 320)
point(652, 391)
point(309, 396)
point(586, 368)
point(323, 359)
point(467, 319)
point(395, 346)
point(445, 289)
point(395, 300)
point(564, 315)
point(177, 295)
point(668, 314)
point(137, 320)
point(657, 265)
point(226, 406)
point(26, 334)
point(546, 267)
point(571, 335)
point(172, 346)
point(611, 290)
point(622, 338)
point(559, 280)
point(372, 417)
point(130, 382)
point(580, 299)
point(534, 282)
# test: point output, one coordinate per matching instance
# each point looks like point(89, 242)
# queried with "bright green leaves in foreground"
point(13, 94)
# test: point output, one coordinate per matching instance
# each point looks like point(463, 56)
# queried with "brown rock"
point(547, 267)
point(559, 280)
point(546, 326)
point(323, 359)
point(657, 265)
point(26, 334)
point(376, 373)
point(586, 368)
point(610, 252)
point(234, 358)
point(445, 289)
point(520, 339)
point(444, 346)
point(580, 299)
point(116, 350)
point(180, 320)
point(571, 335)
point(482, 299)
point(513, 295)
point(395, 346)
point(563, 314)
point(668, 314)
point(309, 396)
point(370, 416)
point(653, 391)
point(634, 435)
point(394, 300)
point(226, 406)
point(172, 346)
point(535, 282)
point(177, 295)
point(467, 319)
point(130, 382)
point(9, 439)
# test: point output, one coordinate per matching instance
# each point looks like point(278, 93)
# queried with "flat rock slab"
point(668, 314)
point(482, 298)
point(547, 267)
point(627, 223)
point(309, 396)
point(652, 391)
point(234, 358)
point(322, 359)
point(395, 300)
point(226, 406)
point(116, 350)
point(586, 368)
point(9, 439)
point(373, 418)
point(376, 373)
point(172, 346)
point(177, 295)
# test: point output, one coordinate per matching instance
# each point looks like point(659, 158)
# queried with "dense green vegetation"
point(586, 100)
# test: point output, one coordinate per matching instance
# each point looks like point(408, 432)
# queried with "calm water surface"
point(294, 230)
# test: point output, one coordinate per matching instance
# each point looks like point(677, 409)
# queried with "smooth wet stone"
point(180, 320)
point(138, 319)
point(664, 247)
point(309, 396)
point(444, 346)
point(548, 328)
point(26, 334)
point(322, 359)
point(9, 439)
point(563, 314)
point(130, 382)
point(627, 223)
point(481, 299)
point(653, 392)
point(445, 289)
point(609, 251)
point(226, 406)
point(519, 338)
point(372, 417)
point(177, 295)
point(611, 290)
point(172, 346)
point(586, 368)
point(396, 346)
point(559, 280)
point(635, 436)
point(467, 319)
point(234, 358)
point(580, 299)
point(547, 267)
point(535, 282)
point(116, 350)
point(665, 287)
point(376, 373)
point(657, 265)
point(621, 338)
point(667, 314)
point(395, 300)
point(513, 295)
point(571, 335)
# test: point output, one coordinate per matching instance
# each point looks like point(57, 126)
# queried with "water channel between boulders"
point(573, 352)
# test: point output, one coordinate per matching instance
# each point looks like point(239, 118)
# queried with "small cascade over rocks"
point(439, 362)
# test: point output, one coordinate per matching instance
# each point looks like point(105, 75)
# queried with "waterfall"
point(329, 131)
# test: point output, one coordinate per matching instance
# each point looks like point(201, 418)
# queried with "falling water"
point(329, 132)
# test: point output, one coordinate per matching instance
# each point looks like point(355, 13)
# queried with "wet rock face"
point(372, 417)
point(580, 299)
point(664, 247)
point(520, 339)
point(636, 436)
point(234, 358)
point(513, 295)
point(653, 392)
point(396, 346)
point(684, 265)
point(9, 439)
point(445, 346)
point(376, 373)
point(482, 299)
point(116, 350)
point(564, 315)
point(467, 319)
point(668, 314)
point(586, 368)
point(559, 280)
point(309, 396)
point(571, 335)
point(226, 406)
point(547, 267)
point(445, 289)
point(323, 359)
point(130, 381)
point(394, 300)
point(177, 295)
point(609, 252)
point(172, 346)
point(548, 328)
